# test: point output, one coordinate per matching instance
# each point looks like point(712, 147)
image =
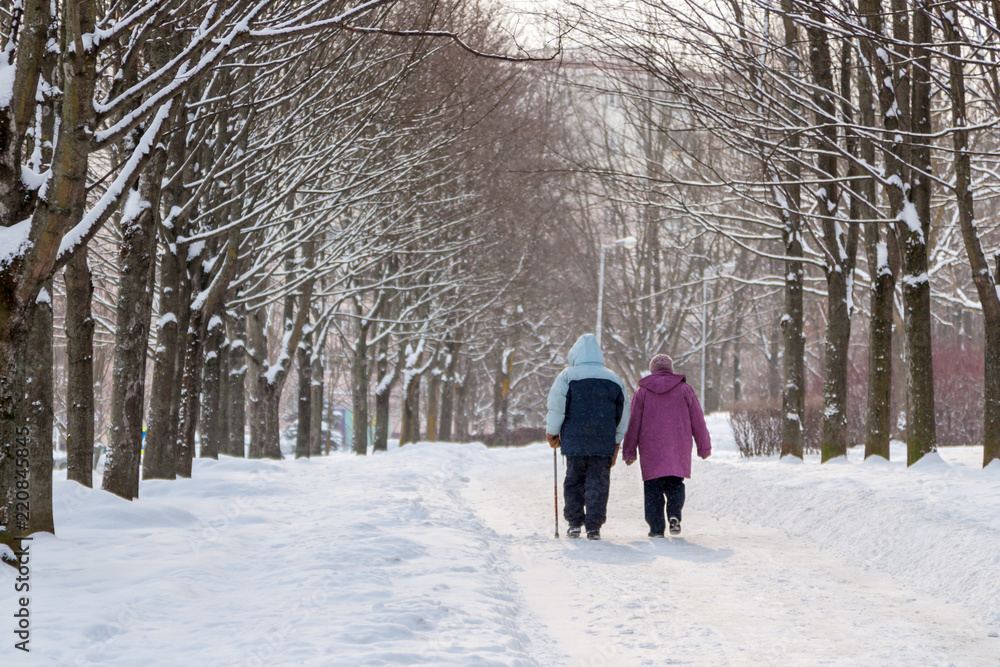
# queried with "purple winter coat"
point(665, 415)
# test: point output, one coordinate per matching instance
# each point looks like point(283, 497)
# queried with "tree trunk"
point(793, 333)
point(17, 435)
point(79, 370)
point(305, 410)
point(221, 432)
point(986, 286)
point(413, 409)
point(161, 431)
point(170, 460)
point(461, 400)
point(256, 354)
point(839, 264)
point(265, 408)
point(236, 445)
point(913, 231)
point(448, 393)
point(878, 414)
point(23, 276)
point(383, 393)
point(265, 417)
point(211, 388)
point(190, 393)
point(433, 396)
point(360, 374)
point(135, 305)
point(38, 415)
point(409, 430)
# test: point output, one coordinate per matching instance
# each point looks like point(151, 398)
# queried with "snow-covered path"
point(442, 554)
point(726, 593)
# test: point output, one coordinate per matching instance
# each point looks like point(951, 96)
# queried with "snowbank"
point(934, 527)
point(339, 560)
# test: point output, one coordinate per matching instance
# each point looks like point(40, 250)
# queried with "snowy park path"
point(725, 593)
point(443, 554)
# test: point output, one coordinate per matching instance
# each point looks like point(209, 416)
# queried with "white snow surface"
point(7, 73)
point(14, 241)
point(444, 554)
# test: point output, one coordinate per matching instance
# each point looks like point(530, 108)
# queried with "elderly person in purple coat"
point(665, 416)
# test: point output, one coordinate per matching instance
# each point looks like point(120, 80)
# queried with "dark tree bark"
point(211, 388)
point(878, 414)
point(447, 411)
point(191, 374)
point(236, 445)
point(159, 461)
point(256, 357)
point(38, 415)
point(383, 393)
point(793, 398)
point(913, 230)
point(23, 277)
point(433, 405)
point(462, 389)
point(838, 321)
point(409, 428)
point(265, 417)
point(161, 431)
point(79, 370)
point(135, 307)
point(895, 108)
point(411, 410)
point(360, 377)
point(986, 286)
point(838, 246)
point(265, 414)
point(177, 396)
point(221, 431)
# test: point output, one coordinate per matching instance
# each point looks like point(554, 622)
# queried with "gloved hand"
point(703, 456)
point(553, 440)
point(629, 462)
point(614, 457)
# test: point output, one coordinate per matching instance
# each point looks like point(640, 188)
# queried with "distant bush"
point(757, 427)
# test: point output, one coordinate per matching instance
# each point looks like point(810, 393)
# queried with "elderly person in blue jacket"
point(588, 415)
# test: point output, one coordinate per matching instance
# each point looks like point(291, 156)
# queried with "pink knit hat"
point(661, 362)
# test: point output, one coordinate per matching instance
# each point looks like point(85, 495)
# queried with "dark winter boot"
point(675, 526)
point(659, 534)
point(574, 532)
point(593, 534)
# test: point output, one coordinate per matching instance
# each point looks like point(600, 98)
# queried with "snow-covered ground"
point(442, 554)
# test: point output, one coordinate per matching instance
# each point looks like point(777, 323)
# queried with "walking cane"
point(555, 485)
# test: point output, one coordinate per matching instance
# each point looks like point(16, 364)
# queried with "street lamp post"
point(628, 243)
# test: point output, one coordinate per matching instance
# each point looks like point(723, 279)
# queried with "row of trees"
point(201, 200)
point(798, 151)
point(285, 180)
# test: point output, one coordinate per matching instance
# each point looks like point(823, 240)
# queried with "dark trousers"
point(655, 490)
point(588, 479)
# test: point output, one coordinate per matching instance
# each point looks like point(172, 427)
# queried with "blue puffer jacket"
point(588, 405)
